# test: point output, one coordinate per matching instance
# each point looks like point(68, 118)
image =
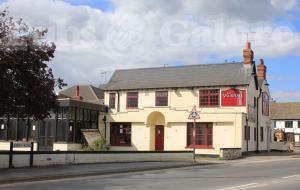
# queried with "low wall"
point(230, 153)
point(279, 146)
point(66, 147)
point(21, 159)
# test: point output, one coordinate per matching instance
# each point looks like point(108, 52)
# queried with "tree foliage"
point(26, 82)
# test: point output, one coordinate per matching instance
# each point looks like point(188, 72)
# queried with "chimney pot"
point(261, 70)
point(248, 54)
point(261, 61)
point(248, 45)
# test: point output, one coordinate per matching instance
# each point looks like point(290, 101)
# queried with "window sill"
point(133, 108)
point(209, 106)
point(199, 147)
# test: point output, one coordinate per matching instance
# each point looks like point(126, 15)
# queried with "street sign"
point(194, 114)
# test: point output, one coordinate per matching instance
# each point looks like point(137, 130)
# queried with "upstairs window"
point(112, 100)
point(289, 124)
point(161, 98)
point(132, 99)
point(298, 124)
point(265, 104)
point(209, 98)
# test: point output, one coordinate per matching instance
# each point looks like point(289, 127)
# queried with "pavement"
point(263, 171)
point(82, 170)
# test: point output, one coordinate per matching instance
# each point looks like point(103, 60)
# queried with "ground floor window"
point(120, 134)
point(203, 134)
point(261, 134)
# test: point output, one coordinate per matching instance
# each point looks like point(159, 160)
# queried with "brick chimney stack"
point(77, 93)
point(261, 70)
point(248, 54)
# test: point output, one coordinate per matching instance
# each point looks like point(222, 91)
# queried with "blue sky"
point(117, 34)
point(283, 71)
point(105, 5)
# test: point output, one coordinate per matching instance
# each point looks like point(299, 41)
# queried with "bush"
point(98, 145)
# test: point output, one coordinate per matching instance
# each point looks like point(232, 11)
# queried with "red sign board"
point(233, 97)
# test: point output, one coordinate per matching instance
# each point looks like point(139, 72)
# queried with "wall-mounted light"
point(71, 127)
point(2, 127)
point(33, 127)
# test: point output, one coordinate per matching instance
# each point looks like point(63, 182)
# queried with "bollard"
point(31, 155)
point(10, 165)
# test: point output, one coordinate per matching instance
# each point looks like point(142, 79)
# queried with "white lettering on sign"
point(229, 95)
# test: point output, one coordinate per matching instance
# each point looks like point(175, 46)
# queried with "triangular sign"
point(194, 114)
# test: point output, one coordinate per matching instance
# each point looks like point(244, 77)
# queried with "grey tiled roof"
point(285, 111)
point(201, 75)
point(89, 93)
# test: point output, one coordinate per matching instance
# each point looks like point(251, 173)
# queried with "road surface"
point(273, 175)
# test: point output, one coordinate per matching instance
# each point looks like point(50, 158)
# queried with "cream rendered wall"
point(228, 121)
point(175, 136)
point(180, 99)
point(225, 135)
point(140, 136)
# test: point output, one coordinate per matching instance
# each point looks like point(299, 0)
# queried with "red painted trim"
point(162, 96)
point(206, 136)
point(159, 143)
point(113, 134)
point(136, 97)
point(209, 94)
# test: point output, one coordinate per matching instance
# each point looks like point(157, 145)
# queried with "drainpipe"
point(247, 134)
point(118, 106)
point(257, 119)
point(104, 121)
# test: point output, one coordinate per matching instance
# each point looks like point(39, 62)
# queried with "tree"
point(26, 82)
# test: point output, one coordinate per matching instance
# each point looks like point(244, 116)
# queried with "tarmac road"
point(272, 175)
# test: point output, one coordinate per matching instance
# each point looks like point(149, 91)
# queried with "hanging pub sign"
point(233, 97)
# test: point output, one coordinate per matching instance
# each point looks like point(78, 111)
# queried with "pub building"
point(149, 108)
point(79, 113)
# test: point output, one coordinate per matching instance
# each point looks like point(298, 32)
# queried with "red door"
point(159, 137)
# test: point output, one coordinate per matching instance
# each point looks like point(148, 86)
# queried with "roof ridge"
point(286, 102)
point(180, 66)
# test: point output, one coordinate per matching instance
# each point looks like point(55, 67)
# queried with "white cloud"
point(141, 33)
